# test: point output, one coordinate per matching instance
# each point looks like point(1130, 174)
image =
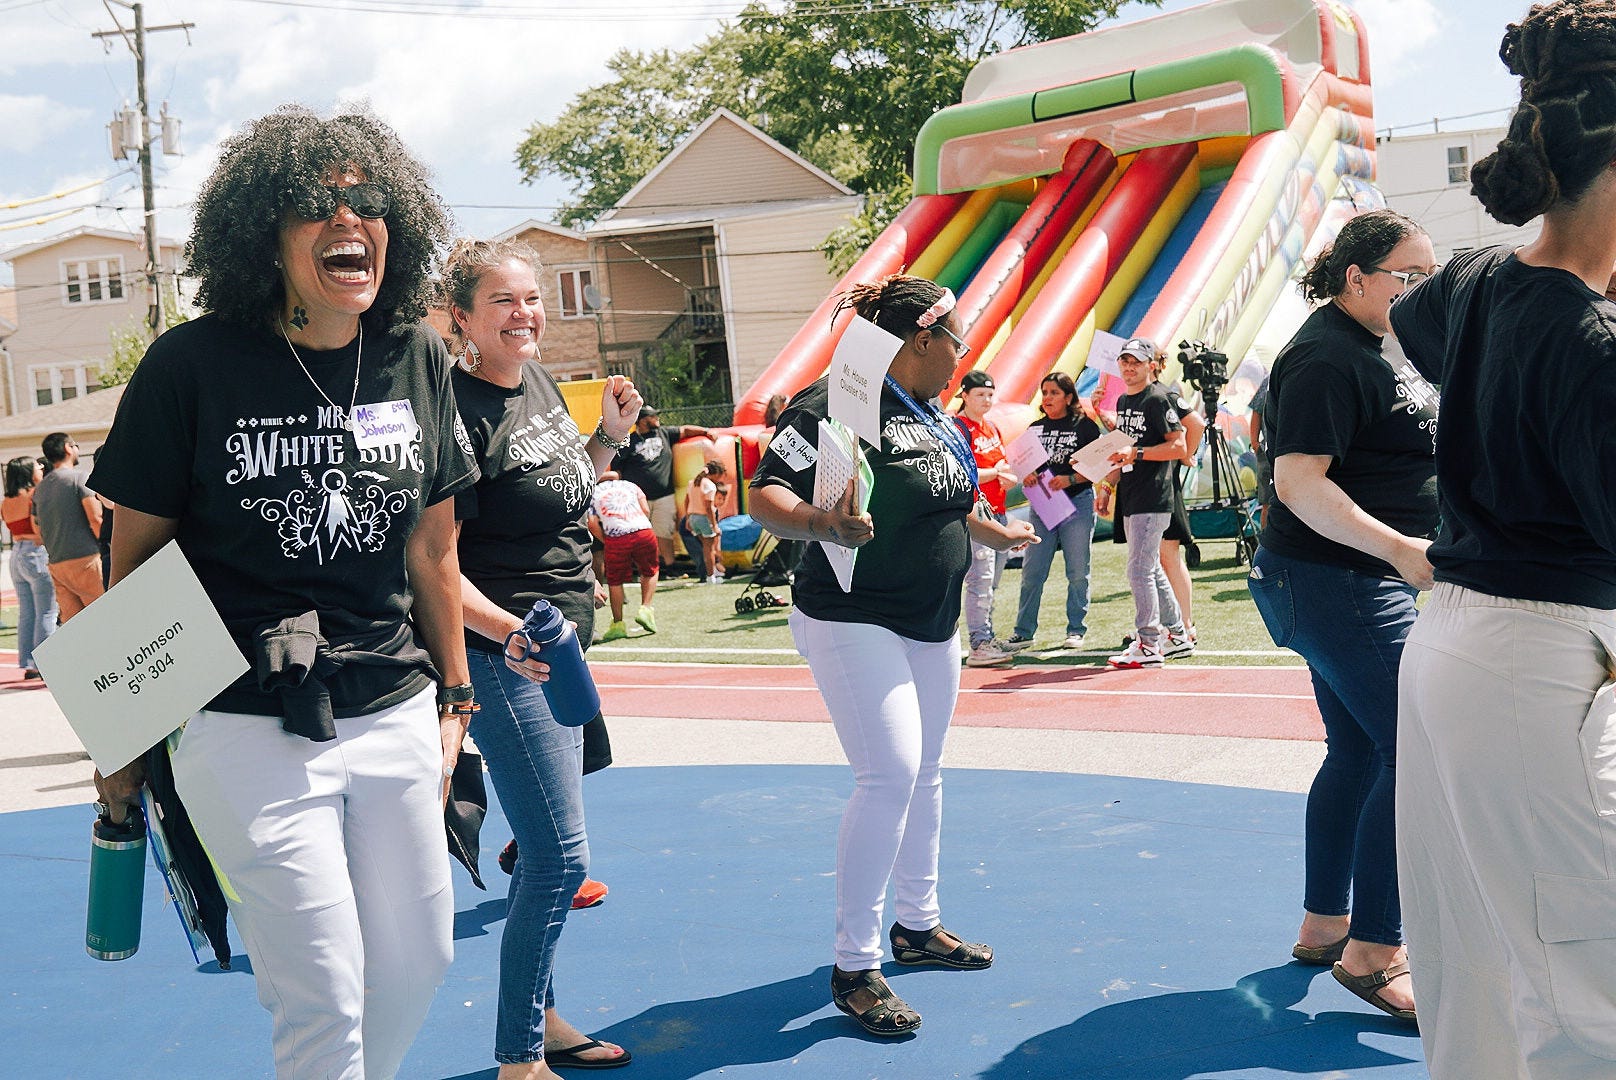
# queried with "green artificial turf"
point(697, 622)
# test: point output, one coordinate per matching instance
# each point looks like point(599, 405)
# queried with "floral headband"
point(945, 303)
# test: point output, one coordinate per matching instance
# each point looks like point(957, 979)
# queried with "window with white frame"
point(63, 382)
point(571, 285)
point(93, 281)
point(1458, 164)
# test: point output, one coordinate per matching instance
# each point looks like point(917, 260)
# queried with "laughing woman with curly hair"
point(300, 443)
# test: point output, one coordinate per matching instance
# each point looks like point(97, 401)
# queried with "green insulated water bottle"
point(117, 886)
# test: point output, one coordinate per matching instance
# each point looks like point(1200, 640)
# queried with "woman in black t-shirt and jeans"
point(1352, 433)
point(522, 538)
point(1506, 804)
point(885, 653)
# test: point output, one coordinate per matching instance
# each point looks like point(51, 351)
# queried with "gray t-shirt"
point(59, 506)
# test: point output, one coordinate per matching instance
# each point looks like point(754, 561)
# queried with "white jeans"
point(891, 699)
point(1506, 836)
point(337, 876)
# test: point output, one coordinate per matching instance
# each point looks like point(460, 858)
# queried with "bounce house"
point(1158, 179)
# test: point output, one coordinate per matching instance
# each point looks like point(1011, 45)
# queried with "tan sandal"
point(1368, 987)
point(1323, 956)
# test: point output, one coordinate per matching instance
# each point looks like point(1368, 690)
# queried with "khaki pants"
point(78, 582)
point(1506, 836)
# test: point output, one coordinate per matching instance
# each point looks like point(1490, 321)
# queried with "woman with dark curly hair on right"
point(1351, 429)
point(1506, 806)
point(300, 443)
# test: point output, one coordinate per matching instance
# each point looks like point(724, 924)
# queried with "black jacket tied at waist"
point(292, 659)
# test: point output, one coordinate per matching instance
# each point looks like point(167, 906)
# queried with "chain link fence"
point(707, 416)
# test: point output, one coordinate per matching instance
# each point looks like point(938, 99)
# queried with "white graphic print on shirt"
point(905, 435)
point(550, 436)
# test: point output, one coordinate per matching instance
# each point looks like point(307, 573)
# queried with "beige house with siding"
point(718, 245)
point(71, 292)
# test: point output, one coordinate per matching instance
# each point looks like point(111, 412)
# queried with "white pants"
point(1506, 836)
point(337, 876)
point(891, 699)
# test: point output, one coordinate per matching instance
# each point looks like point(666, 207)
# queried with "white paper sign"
point(374, 426)
point(793, 449)
point(1026, 454)
point(838, 463)
point(856, 370)
point(1094, 460)
point(1103, 353)
point(139, 661)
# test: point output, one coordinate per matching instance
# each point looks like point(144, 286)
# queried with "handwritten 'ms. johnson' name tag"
point(374, 426)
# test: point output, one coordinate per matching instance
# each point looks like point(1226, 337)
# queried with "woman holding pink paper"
point(1063, 429)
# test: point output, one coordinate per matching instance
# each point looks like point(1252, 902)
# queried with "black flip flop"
point(569, 1059)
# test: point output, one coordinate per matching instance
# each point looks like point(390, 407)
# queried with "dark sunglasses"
point(317, 203)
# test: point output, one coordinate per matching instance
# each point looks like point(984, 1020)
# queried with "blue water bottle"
point(117, 886)
point(547, 635)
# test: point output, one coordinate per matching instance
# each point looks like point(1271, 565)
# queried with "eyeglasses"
point(964, 349)
point(1409, 278)
point(367, 200)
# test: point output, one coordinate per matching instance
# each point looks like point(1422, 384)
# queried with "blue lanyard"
point(942, 429)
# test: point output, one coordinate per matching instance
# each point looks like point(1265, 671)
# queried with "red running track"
point(1253, 703)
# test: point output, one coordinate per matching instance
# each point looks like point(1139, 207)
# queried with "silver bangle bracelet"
point(606, 440)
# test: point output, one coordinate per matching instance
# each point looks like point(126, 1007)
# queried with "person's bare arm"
point(433, 566)
point(1301, 483)
point(92, 513)
point(791, 517)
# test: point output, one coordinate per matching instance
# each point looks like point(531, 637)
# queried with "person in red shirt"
point(987, 565)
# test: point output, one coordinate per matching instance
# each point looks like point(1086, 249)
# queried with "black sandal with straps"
point(966, 956)
point(889, 1017)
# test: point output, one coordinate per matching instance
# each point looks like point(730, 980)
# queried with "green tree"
point(846, 84)
point(129, 341)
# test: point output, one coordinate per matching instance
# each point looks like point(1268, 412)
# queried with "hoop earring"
point(472, 359)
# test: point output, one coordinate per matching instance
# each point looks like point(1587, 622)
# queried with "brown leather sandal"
point(1324, 955)
point(1368, 987)
point(914, 947)
point(889, 1017)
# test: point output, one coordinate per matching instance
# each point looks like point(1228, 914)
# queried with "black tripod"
point(1228, 494)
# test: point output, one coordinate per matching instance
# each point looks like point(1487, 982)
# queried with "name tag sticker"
point(384, 422)
point(793, 449)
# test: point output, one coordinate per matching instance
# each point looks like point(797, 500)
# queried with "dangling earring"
point(473, 358)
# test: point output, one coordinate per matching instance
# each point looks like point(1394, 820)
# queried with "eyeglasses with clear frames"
point(964, 349)
point(1409, 278)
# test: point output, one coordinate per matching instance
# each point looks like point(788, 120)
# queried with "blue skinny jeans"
point(1350, 628)
point(1074, 538)
point(536, 765)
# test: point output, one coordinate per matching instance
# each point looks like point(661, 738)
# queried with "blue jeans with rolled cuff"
point(1350, 628)
point(536, 765)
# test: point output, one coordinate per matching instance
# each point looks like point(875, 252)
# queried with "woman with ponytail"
point(1506, 803)
point(884, 653)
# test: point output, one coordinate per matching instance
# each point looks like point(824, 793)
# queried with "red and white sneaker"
point(1180, 644)
point(1137, 655)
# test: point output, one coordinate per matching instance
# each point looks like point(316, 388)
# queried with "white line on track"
point(1054, 690)
point(619, 650)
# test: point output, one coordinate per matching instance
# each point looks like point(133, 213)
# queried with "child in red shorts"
point(621, 518)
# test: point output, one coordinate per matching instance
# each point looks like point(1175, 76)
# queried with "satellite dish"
point(592, 298)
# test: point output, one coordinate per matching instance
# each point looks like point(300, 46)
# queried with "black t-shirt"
point(1146, 487)
point(907, 578)
point(1062, 438)
point(1333, 392)
point(1526, 464)
point(647, 463)
point(279, 511)
point(522, 533)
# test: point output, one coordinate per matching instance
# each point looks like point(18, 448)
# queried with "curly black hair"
point(276, 167)
point(1363, 241)
point(1563, 134)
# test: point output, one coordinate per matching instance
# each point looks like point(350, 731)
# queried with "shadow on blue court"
point(1139, 925)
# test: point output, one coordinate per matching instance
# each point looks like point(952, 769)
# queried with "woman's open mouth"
point(347, 261)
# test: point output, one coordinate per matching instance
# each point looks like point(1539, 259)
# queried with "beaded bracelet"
point(606, 440)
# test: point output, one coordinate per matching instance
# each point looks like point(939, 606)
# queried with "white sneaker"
point(1137, 655)
point(716, 579)
point(989, 654)
point(1073, 641)
point(1180, 644)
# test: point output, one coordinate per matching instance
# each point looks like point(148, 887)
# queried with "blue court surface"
point(1143, 932)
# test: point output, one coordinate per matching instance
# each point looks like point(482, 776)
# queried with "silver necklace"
point(359, 359)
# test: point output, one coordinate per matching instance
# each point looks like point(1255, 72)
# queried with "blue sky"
point(463, 89)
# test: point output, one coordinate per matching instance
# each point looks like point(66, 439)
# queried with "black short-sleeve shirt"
point(1526, 462)
point(522, 531)
point(647, 462)
point(908, 578)
point(279, 511)
point(1061, 439)
point(1333, 392)
point(1146, 487)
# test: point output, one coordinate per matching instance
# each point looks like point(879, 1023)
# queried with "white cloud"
point(32, 119)
point(1398, 31)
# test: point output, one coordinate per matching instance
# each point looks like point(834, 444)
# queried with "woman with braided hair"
point(1506, 795)
point(884, 653)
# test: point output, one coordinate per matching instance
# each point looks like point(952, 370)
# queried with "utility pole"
point(137, 45)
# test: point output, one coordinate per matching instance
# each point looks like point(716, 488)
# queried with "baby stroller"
point(774, 561)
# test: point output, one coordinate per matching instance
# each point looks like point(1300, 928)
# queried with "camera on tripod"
point(1204, 367)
